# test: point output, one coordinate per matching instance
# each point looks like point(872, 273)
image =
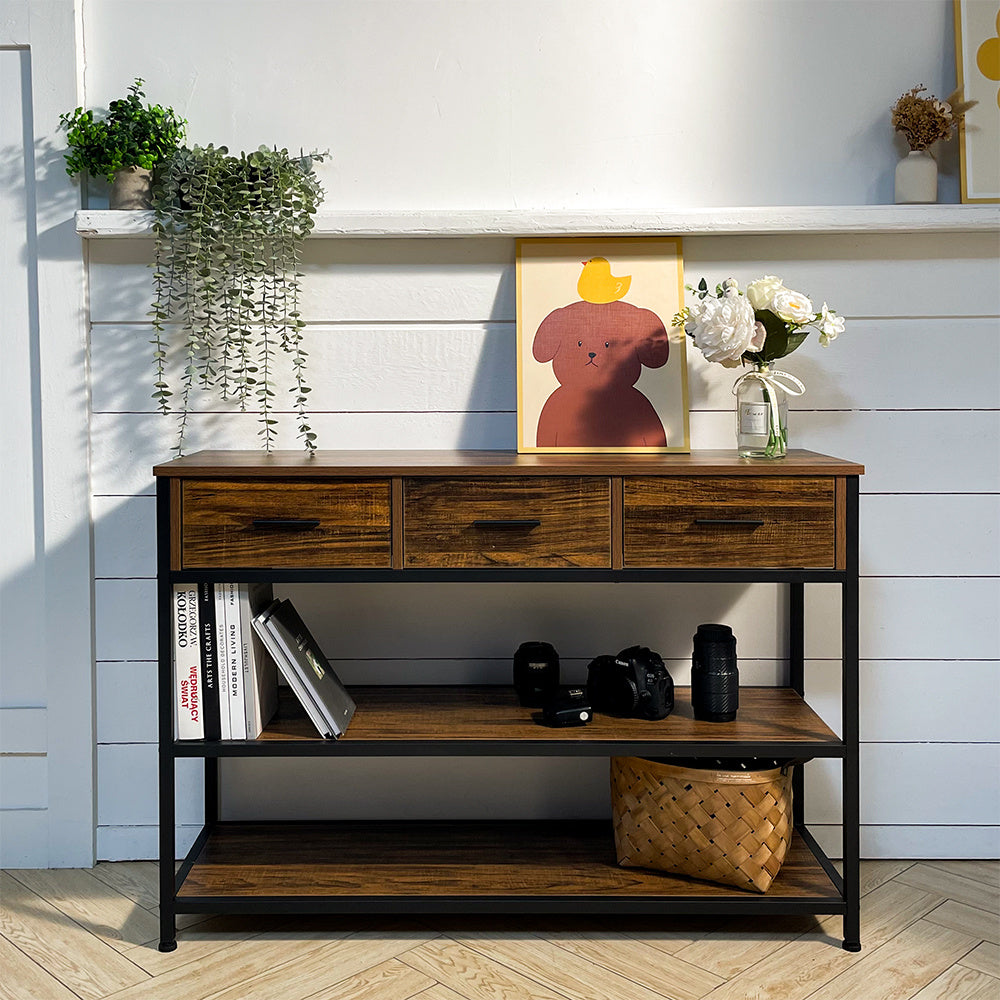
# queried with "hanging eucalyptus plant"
point(229, 233)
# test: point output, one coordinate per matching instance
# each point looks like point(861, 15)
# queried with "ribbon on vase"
point(771, 382)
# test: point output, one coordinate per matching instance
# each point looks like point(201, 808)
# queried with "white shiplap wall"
point(412, 345)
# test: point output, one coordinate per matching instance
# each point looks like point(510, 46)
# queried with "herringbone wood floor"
point(930, 931)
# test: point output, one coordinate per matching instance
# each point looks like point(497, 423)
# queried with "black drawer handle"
point(729, 522)
point(515, 523)
point(285, 523)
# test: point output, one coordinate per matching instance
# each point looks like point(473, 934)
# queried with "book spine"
point(189, 724)
point(209, 662)
point(259, 678)
point(234, 661)
point(222, 660)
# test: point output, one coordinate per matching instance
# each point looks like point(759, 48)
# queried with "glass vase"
point(761, 416)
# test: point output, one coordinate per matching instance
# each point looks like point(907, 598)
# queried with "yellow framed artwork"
point(977, 60)
point(597, 367)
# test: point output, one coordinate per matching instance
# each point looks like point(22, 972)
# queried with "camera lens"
point(715, 679)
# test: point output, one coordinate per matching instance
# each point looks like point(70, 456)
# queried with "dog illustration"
point(597, 350)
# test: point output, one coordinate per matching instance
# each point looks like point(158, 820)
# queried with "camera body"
point(634, 683)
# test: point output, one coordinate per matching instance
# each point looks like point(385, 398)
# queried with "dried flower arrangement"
point(925, 120)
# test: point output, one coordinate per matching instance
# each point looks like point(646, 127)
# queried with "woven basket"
point(732, 827)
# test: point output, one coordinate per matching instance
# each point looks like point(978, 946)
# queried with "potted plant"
point(123, 145)
point(229, 233)
point(923, 121)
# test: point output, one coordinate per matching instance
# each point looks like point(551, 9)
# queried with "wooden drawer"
point(730, 522)
point(285, 523)
point(510, 521)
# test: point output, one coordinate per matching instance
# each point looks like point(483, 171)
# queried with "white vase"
point(916, 179)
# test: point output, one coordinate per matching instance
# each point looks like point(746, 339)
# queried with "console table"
point(496, 516)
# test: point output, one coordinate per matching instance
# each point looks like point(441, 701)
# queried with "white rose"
point(792, 307)
point(723, 328)
point(830, 326)
point(762, 291)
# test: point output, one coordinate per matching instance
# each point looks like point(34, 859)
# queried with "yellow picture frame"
point(598, 368)
point(977, 66)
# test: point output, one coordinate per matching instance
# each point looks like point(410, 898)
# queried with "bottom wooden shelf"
point(506, 866)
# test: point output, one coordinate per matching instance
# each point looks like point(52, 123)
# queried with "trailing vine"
point(229, 232)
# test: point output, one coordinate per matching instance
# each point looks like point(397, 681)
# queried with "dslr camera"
point(634, 683)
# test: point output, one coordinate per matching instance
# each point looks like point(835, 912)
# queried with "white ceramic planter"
point(132, 189)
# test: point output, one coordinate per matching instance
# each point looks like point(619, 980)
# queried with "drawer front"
point(285, 523)
point(513, 521)
point(730, 522)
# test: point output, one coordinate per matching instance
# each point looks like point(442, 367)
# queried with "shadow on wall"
point(497, 362)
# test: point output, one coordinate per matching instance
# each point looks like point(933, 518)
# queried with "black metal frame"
point(847, 885)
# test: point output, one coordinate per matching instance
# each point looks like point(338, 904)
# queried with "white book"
point(260, 680)
point(303, 665)
point(222, 662)
point(233, 660)
point(188, 721)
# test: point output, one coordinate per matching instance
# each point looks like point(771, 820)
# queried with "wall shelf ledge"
point(101, 224)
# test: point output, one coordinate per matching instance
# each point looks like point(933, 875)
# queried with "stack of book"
point(225, 683)
point(305, 668)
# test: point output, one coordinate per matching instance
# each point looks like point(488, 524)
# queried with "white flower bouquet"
point(757, 327)
point(766, 322)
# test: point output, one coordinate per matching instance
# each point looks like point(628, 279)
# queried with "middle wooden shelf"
point(487, 720)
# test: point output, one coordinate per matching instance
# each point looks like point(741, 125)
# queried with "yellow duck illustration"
point(598, 284)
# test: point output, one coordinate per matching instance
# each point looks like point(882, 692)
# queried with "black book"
point(306, 669)
point(209, 661)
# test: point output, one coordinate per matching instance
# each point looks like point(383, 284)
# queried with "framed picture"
point(977, 59)
point(597, 369)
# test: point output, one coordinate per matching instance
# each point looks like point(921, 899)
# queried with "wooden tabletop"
point(299, 464)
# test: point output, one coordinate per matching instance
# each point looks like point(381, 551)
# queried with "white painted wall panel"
point(920, 841)
point(923, 618)
point(862, 275)
point(345, 280)
point(547, 104)
point(912, 784)
point(909, 618)
point(401, 366)
point(140, 842)
point(395, 368)
point(417, 788)
point(497, 670)
point(125, 619)
point(895, 445)
point(932, 534)
point(126, 702)
point(25, 730)
point(124, 536)
point(580, 619)
point(25, 836)
point(914, 701)
point(127, 789)
point(25, 781)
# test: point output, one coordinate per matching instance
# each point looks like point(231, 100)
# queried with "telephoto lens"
point(715, 679)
